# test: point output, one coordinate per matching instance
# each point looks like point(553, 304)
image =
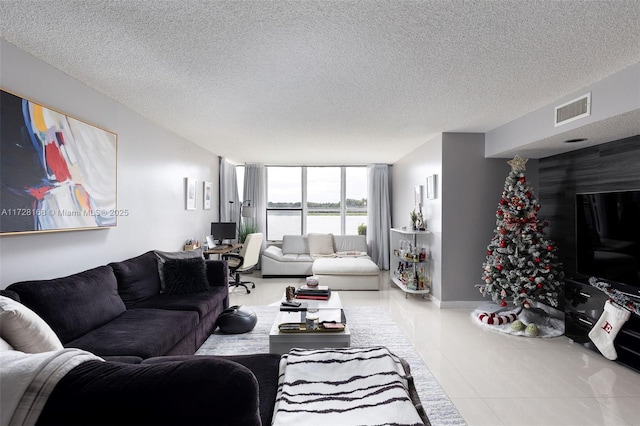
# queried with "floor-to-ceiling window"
point(304, 199)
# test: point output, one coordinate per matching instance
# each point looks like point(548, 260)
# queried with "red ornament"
point(489, 252)
point(532, 279)
point(499, 267)
point(549, 247)
point(539, 285)
point(547, 267)
point(503, 231)
point(537, 260)
point(499, 212)
point(503, 303)
point(503, 243)
point(522, 179)
point(503, 201)
point(528, 194)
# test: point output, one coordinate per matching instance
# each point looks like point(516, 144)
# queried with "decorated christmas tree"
point(521, 264)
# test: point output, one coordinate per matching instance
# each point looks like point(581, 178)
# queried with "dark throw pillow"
point(182, 276)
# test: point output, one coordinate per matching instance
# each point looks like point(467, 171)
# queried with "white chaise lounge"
point(340, 261)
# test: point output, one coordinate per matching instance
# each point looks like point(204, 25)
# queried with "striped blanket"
point(346, 386)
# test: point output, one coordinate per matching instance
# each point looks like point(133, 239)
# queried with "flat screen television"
point(222, 231)
point(608, 236)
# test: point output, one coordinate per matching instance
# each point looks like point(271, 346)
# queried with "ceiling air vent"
point(573, 110)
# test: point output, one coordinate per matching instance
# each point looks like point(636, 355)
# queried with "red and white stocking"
point(604, 332)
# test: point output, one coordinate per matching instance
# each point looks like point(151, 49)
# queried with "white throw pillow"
point(320, 244)
point(5, 346)
point(24, 330)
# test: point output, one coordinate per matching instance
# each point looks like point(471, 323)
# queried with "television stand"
point(583, 306)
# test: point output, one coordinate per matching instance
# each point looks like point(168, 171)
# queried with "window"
point(301, 200)
point(323, 200)
point(284, 202)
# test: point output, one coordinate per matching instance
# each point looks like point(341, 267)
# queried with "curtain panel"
point(229, 205)
point(379, 214)
point(255, 192)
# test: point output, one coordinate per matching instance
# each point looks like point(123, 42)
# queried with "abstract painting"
point(57, 173)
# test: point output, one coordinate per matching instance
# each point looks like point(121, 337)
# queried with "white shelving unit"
point(414, 264)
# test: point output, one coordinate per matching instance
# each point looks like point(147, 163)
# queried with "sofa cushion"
point(76, 304)
point(295, 244)
point(345, 266)
point(138, 278)
point(202, 302)
point(139, 332)
point(23, 330)
point(350, 243)
point(321, 244)
point(183, 276)
point(163, 256)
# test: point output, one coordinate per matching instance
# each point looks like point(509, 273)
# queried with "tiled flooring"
point(493, 378)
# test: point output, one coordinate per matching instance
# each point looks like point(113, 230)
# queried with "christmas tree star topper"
point(518, 164)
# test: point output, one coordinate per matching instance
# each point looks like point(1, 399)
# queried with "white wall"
point(408, 172)
point(152, 165)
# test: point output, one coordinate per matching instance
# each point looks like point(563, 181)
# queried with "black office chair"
point(244, 261)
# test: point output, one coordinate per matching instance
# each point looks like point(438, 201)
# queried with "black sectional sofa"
point(147, 338)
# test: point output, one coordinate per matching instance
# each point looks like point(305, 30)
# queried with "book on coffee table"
point(313, 293)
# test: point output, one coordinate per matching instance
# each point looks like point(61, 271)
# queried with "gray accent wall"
point(152, 165)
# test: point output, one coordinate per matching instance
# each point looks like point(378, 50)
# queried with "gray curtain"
point(379, 214)
point(229, 205)
point(255, 193)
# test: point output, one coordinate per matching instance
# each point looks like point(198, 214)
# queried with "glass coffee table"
point(328, 310)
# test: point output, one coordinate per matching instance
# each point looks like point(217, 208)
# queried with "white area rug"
point(548, 326)
point(370, 326)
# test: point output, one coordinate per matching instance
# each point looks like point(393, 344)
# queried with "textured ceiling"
point(316, 82)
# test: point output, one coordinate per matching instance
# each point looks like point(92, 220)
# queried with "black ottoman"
point(236, 320)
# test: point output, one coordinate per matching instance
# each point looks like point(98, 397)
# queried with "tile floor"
point(492, 378)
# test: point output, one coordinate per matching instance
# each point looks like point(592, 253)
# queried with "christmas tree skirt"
point(518, 321)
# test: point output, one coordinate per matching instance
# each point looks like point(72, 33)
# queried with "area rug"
point(370, 326)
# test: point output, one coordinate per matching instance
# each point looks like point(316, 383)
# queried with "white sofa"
point(339, 261)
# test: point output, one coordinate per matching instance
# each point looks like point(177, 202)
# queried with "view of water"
point(279, 225)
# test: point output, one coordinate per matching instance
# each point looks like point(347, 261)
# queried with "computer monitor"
point(223, 231)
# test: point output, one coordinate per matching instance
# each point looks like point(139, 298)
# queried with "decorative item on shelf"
point(191, 245)
point(414, 219)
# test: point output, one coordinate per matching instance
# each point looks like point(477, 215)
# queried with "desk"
point(223, 250)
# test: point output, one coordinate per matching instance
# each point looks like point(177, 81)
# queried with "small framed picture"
point(417, 195)
point(431, 187)
point(206, 195)
point(190, 194)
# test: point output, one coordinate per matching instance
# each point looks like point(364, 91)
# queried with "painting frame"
point(190, 194)
point(59, 172)
point(431, 187)
point(207, 193)
point(417, 195)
